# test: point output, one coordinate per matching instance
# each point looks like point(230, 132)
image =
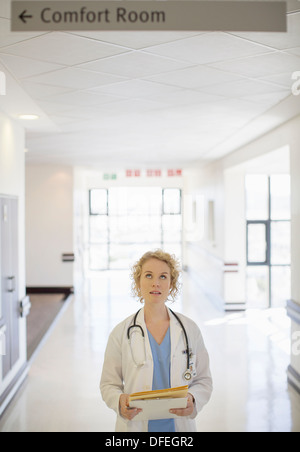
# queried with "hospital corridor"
point(61, 392)
point(134, 162)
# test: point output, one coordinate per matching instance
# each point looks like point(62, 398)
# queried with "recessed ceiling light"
point(29, 117)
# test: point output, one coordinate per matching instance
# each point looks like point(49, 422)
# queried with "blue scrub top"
point(161, 378)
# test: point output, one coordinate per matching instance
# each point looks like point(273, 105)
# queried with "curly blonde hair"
point(169, 259)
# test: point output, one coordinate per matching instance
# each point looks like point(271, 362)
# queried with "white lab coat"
point(121, 375)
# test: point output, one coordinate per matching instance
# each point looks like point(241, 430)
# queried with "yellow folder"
point(156, 404)
point(172, 393)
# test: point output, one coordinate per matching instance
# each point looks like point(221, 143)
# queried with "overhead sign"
point(148, 15)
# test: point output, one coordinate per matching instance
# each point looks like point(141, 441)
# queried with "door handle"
point(12, 284)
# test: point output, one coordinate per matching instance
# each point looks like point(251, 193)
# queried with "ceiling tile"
point(294, 51)
point(25, 67)
point(186, 97)
point(208, 48)
point(83, 98)
point(52, 108)
point(134, 65)
point(268, 99)
point(74, 78)
point(242, 88)
point(137, 40)
point(283, 80)
point(64, 49)
point(278, 41)
point(8, 38)
point(262, 65)
point(194, 77)
point(64, 120)
point(5, 8)
point(130, 107)
point(136, 88)
point(39, 91)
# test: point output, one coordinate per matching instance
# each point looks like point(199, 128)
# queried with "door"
point(9, 306)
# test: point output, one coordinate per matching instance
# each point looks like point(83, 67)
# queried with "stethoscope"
point(188, 373)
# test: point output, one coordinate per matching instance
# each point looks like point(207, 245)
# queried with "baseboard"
point(293, 311)
point(67, 291)
point(293, 378)
point(13, 388)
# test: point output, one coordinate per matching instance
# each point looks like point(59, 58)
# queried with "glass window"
point(135, 229)
point(172, 228)
point(280, 286)
point(135, 201)
point(280, 186)
point(129, 221)
point(98, 257)
point(258, 286)
point(257, 243)
point(174, 248)
point(257, 197)
point(268, 209)
point(123, 256)
point(172, 201)
point(99, 229)
point(280, 242)
point(98, 202)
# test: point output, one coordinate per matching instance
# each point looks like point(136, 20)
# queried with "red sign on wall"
point(154, 173)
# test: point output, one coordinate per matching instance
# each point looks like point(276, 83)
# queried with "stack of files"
point(156, 404)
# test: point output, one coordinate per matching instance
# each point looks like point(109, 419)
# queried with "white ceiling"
point(122, 99)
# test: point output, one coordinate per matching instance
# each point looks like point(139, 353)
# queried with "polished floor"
point(44, 309)
point(249, 355)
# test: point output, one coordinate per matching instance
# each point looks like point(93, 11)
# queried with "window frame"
point(112, 243)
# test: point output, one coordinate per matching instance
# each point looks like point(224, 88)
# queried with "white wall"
point(12, 183)
point(49, 225)
point(235, 237)
point(205, 250)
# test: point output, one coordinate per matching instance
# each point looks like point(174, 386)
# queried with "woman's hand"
point(185, 411)
point(127, 412)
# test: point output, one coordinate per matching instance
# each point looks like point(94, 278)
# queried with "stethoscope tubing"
point(187, 374)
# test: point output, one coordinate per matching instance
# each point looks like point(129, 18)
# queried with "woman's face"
point(155, 281)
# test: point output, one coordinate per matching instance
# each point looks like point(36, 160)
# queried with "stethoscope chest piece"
point(187, 375)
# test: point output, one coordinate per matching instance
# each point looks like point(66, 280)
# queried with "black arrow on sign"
point(23, 16)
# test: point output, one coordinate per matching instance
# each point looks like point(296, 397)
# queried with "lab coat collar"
point(175, 329)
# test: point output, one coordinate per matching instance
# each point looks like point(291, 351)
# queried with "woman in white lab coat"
point(133, 365)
